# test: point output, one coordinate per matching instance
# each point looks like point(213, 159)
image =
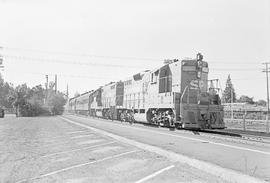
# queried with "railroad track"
point(246, 135)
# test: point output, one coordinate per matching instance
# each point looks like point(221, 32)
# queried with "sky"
point(89, 43)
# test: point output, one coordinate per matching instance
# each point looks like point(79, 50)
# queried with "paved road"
point(248, 158)
point(49, 149)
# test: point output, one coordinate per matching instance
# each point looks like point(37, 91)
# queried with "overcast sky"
point(89, 43)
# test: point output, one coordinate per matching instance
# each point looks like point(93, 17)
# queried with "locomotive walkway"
point(79, 149)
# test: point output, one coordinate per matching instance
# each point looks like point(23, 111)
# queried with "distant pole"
point(55, 83)
point(244, 119)
point(266, 71)
point(231, 104)
point(67, 90)
point(1, 60)
point(46, 86)
point(47, 80)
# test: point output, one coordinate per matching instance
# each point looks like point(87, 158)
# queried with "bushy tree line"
point(6, 90)
point(31, 101)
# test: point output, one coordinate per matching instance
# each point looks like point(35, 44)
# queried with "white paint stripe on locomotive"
point(224, 173)
point(80, 149)
point(77, 166)
point(199, 140)
point(154, 174)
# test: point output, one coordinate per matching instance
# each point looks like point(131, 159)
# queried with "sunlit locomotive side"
point(174, 95)
point(150, 98)
point(72, 105)
point(134, 98)
point(112, 100)
point(95, 103)
point(163, 95)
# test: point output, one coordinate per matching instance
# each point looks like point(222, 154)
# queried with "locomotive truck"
point(177, 94)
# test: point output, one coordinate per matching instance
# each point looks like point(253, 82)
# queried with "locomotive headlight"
point(199, 74)
point(205, 69)
point(199, 64)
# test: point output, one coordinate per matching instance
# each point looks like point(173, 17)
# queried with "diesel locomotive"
point(177, 94)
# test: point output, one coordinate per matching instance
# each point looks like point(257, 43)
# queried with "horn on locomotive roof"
point(169, 61)
point(199, 57)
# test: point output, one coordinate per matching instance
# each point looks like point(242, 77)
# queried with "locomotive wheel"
point(177, 125)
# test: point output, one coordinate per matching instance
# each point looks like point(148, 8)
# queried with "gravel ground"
point(47, 149)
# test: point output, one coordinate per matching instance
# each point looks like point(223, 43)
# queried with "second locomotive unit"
point(174, 95)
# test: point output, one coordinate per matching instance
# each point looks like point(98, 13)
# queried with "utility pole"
point(67, 90)
point(1, 59)
point(266, 71)
point(47, 80)
point(231, 103)
point(55, 84)
point(46, 87)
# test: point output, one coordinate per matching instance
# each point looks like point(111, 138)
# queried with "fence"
point(246, 117)
point(10, 111)
point(247, 124)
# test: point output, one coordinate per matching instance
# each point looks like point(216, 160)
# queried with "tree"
point(36, 99)
point(20, 95)
point(5, 92)
point(261, 103)
point(31, 101)
point(56, 102)
point(229, 90)
point(25, 101)
point(246, 99)
point(76, 94)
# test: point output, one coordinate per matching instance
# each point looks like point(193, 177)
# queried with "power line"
point(235, 69)
point(65, 75)
point(232, 63)
point(214, 60)
point(81, 54)
point(49, 60)
point(94, 77)
point(242, 79)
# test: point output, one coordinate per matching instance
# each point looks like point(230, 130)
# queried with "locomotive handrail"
point(181, 99)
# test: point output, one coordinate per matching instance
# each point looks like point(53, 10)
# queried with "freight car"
point(174, 95)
